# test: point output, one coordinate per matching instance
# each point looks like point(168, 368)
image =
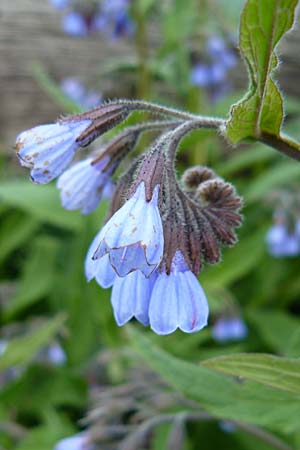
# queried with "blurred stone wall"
point(30, 32)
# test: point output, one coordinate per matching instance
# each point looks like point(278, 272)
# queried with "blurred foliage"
point(45, 299)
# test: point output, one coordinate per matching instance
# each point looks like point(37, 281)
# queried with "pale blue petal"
point(178, 300)
point(163, 308)
point(101, 269)
point(192, 303)
point(136, 226)
point(130, 297)
point(81, 186)
point(48, 149)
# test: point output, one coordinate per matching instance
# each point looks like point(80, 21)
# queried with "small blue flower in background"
point(74, 24)
point(110, 17)
point(212, 73)
point(281, 242)
point(131, 296)
point(83, 185)
point(76, 442)
point(48, 149)
point(56, 355)
point(133, 236)
point(60, 4)
point(77, 92)
point(177, 300)
point(229, 329)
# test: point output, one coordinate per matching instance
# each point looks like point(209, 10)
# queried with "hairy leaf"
point(263, 24)
point(224, 396)
point(273, 371)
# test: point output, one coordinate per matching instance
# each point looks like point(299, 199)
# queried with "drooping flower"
point(130, 297)
point(48, 149)
point(76, 442)
point(281, 243)
point(82, 186)
point(133, 236)
point(177, 300)
point(229, 329)
point(101, 270)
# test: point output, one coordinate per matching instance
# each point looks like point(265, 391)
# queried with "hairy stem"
point(284, 145)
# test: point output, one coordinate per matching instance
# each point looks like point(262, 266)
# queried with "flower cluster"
point(110, 17)
point(211, 71)
point(159, 231)
point(75, 90)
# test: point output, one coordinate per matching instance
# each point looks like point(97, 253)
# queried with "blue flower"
point(200, 75)
point(177, 300)
point(82, 186)
point(60, 4)
point(101, 269)
point(133, 236)
point(56, 355)
point(130, 297)
point(282, 243)
point(77, 92)
point(48, 149)
point(75, 24)
point(76, 442)
point(73, 88)
point(229, 329)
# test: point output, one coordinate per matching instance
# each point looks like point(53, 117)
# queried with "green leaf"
point(15, 229)
point(21, 350)
point(281, 174)
point(263, 24)
point(269, 370)
point(278, 330)
point(42, 202)
point(223, 396)
point(32, 288)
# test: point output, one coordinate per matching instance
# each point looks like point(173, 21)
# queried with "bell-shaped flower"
point(130, 297)
point(48, 149)
point(133, 236)
point(82, 186)
point(177, 300)
point(229, 329)
point(281, 243)
point(101, 269)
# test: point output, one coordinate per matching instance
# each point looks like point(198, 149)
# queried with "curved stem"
point(140, 105)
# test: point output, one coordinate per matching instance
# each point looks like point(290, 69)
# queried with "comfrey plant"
point(159, 230)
